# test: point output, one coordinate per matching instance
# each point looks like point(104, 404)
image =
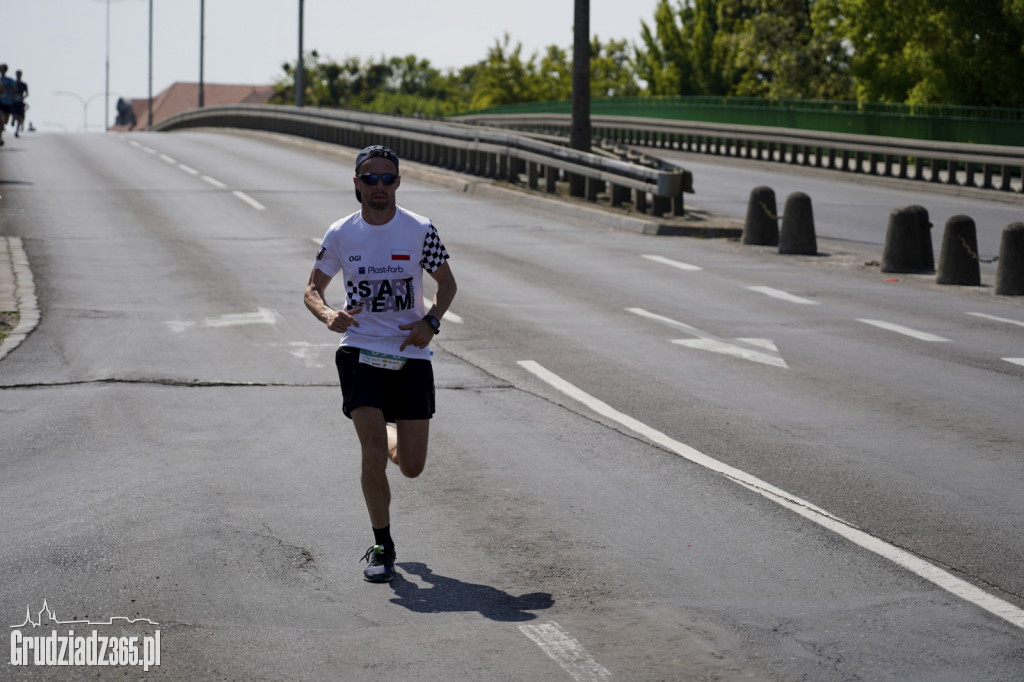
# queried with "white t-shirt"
point(383, 267)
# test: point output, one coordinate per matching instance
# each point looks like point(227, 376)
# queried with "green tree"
point(789, 49)
point(936, 51)
point(612, 70)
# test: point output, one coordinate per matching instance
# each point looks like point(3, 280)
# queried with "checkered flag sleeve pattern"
point(434, 253)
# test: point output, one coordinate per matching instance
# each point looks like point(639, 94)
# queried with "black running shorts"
point(406, 393)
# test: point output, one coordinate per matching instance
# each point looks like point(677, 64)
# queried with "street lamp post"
point(149, 123)
point(300, 66)
point(85, 104)
point(106, 109)
point(202, 40)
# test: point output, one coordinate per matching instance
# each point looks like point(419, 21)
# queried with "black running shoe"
point(381, 560)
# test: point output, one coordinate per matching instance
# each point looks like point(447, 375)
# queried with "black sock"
point(382, 536)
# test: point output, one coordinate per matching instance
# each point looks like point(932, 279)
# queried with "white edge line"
point(906, 331)
point(916, 565)
point(249, 200)
point(449, 316)
point(566, 651)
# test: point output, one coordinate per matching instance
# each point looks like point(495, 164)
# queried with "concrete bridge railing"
point(986, 167)
point(473, 149)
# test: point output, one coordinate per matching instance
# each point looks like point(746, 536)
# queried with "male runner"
point(383, 362)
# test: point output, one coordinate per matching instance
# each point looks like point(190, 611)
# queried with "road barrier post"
point(958, 257)
point(762, 224)
point(926, 254)
point(797, 235)
point(1010, 271)
point(901, 252)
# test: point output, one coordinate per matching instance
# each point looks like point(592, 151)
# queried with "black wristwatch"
point(434, 323)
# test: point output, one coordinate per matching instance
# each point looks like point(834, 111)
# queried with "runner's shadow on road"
point(449, 595)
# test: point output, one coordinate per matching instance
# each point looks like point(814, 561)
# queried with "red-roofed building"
point(181, 97)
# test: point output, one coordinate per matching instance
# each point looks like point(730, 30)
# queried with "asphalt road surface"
point(654, 458)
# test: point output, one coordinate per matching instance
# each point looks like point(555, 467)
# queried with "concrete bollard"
point(958, 257)
point(926, 254)
point(1010, 271)
point(797, 234)
point(902, 252)
point(762, 225)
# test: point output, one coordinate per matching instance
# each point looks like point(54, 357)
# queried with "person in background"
point(7, 90)
point(18, 104)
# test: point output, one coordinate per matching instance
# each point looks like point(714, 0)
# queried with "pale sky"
point(61, 45)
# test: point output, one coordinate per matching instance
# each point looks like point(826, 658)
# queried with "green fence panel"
point(970, 125)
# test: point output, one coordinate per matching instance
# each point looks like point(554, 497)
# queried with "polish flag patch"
point(400, 255)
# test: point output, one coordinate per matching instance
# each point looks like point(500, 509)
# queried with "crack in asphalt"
point(211, 383)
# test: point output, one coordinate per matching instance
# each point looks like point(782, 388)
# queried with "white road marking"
point(566, 651)
point(783, 295)
point(261, 316)
point(900, 329)
point(723, 348)
point(188, 169)
point(310, 353)
point(709, 342)
point(673, 263)
point(998, 319)
point(1016, 361)
point(167, 159)
point(916, 565)
point(249, 200)
point(213, 181)
point(448, 316)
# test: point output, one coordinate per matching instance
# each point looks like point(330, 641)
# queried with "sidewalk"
point(17, 295)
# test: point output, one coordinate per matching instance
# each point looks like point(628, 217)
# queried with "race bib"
point(382, 360)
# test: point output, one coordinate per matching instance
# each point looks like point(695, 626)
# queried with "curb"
point(17, 292)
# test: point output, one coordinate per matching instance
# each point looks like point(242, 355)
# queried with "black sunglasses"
point(371, 179)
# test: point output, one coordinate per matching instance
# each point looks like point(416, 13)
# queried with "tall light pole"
point(202, 41)
point(581, 132)
point(300, 66)
point(106, 107)
point(149, 123)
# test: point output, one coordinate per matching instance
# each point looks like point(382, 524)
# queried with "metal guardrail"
point(472, 149)
point(988, 167)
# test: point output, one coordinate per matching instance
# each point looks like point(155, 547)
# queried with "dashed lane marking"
point(907, 331)
point(673, 263)
point(998, 319)
point(215, 182)
point(783, 295)
point(249, 200)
